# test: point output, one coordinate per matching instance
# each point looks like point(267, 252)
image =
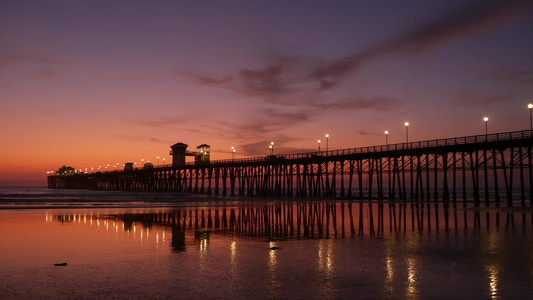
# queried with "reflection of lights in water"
point(273, 283)
point(325, 256)
point(493, 281)
point(233, 249)
point(203, 244)
point(109, 224)
point(329, 256)
point(411, 278)
point(272, 257)
point(320, 254)
point(390, 270)
point(493, 247)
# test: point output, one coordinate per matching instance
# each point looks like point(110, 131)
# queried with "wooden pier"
point(490, 168)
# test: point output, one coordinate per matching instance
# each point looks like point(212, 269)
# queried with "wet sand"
point(265, 251)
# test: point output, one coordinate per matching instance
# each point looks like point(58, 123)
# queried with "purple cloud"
point(474, 18)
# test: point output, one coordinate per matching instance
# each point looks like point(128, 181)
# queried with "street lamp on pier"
point(386, 137)
point(486, 120)
point(407, 132)
point(271, 148)
point(327, 142)
point(158, 161)
point(319, 145)
point(232, 152)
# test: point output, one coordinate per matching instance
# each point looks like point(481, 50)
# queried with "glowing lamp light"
point(530, 106)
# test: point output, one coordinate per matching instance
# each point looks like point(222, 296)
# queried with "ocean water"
point(120, 245)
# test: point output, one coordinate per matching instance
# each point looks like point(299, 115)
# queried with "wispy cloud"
point(292, 79)
point(163, 121)
point(203, 80)
point(46, 73)
point(9, 57)
point(272, 121)
point(476, 17)
point(470, 99)
point(522, 76)
point(146, 139)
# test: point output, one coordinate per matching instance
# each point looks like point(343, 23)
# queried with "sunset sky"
point(97, 82)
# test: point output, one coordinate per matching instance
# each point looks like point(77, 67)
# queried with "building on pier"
point(179, 152)
point(66, 171)
point(128, 166)
point(203, 155)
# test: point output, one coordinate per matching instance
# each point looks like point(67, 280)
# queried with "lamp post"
point(164, 163)
point(271, 148)
point(386, 137)
point(158, 161)
point(318, 145)
point(232, 152)
point(530, 106)
point(407, 132)
point(327, 142)
point(486, 120)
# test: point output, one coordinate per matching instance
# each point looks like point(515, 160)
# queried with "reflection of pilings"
point(309, 220)
point(319, 220)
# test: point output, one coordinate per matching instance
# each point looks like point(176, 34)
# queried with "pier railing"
point(465, 140)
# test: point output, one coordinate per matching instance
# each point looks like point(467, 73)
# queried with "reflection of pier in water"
point(322, 220)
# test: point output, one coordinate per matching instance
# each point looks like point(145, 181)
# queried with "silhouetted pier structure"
point(490, 167)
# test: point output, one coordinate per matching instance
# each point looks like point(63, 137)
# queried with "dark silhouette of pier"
point(491, 168)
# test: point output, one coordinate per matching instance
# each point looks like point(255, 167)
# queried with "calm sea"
point(119, 245)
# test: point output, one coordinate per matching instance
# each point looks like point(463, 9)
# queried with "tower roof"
point(180, 144)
